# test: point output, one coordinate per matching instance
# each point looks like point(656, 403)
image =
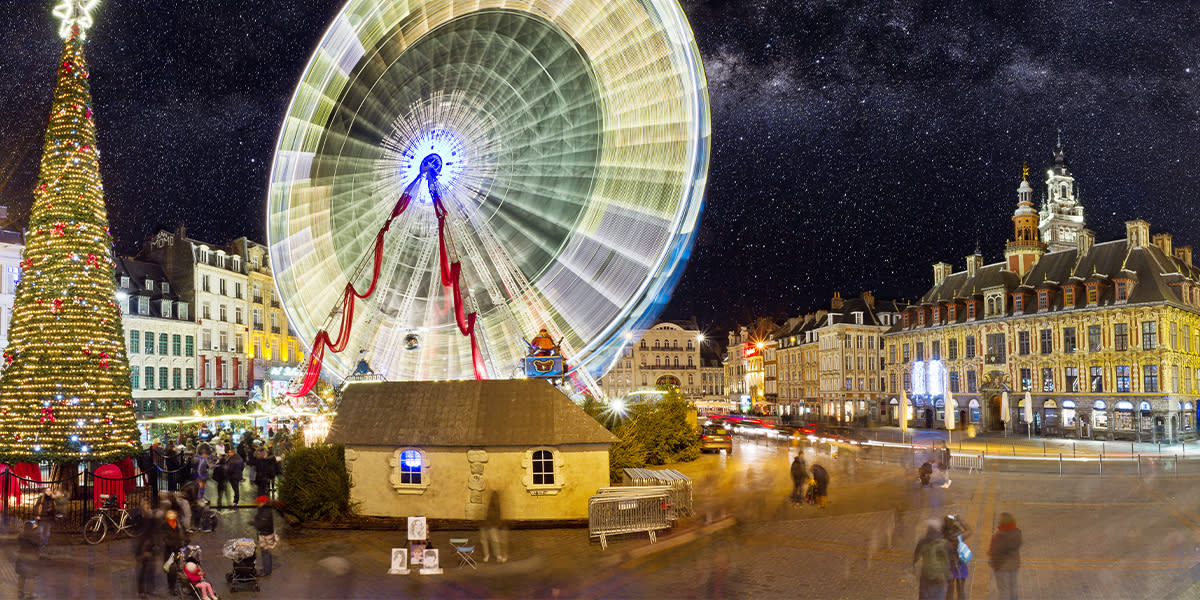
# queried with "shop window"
point(1123, 415)
point(1068, 413)
point(409, 471)
point(1100, 415)
point(1147, 421)
point(974, 409)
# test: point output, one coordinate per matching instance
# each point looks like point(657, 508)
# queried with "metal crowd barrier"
point(680, 487)
point(617, 511)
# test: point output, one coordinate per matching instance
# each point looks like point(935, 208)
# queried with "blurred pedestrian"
point(143, 550)
point(821, 481)
point(1004, 556)
point(265, 467)
point(28, 564)
point(234, 467)
point(956, 531)
point(492, 536)
point(264, 524)
point(46, 511)
point(931, 560)
point(924, 473)
point(174, 537)
point(172, 463)
point(799, 479)
point(220, 476)
point(203, 472)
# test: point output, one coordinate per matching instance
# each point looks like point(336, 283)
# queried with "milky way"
point(854, 143)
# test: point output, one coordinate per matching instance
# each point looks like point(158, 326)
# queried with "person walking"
point(27, 565)
point(956, 531)
point(924, 472)
point(220, 476)
point(174, 537)
point(234, 467)
point(143, 550)
point(203, 471)
point(47, 511)
point(799, 479)
point(172, 462)
point(1004, 556)
point(264, 471)
point(491, 536)
point(931, 560)
point(821, 481)
point(264, 524)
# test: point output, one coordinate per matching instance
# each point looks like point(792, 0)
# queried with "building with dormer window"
point(1104, 337)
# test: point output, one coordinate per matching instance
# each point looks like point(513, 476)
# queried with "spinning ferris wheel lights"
point(573, 139)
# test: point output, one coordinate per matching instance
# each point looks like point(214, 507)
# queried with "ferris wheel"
point(454, 175)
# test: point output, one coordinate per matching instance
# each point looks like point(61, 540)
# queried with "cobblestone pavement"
point(1120, 537)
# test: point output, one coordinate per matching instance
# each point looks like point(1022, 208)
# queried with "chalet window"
point(1043, 300)
point(1122, 292)
point(1018, 303)
point(970, 310)
point(1069, 297)
point(409, 467)
point(543, 467)
point(1093, 293)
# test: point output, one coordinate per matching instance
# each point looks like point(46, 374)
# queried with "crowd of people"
point(942, 558)
point(189, 462)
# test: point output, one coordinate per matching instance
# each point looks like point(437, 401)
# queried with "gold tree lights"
point(65, 393)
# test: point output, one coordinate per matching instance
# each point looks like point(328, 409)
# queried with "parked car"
point(716, 437)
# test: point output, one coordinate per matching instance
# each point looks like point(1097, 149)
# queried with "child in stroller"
point(195, 576)
point(241, 551)
point(187, 562)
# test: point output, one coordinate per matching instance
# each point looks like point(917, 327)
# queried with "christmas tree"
point(65, 394)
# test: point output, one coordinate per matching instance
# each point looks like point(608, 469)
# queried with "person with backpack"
point(799, 479)
point(931, 559)
point(1004, 556)
point(955, 530)
point(820, 479)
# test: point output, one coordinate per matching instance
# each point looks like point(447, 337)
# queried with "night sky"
point(854, 143)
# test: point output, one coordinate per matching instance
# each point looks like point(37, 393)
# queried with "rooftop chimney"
point(836, 303)
point(974, 263)
point(1137, 233)
point(1184, 254)
point(940, 272)
point(869, 299)
point(1163, 241)
point(1085, 241)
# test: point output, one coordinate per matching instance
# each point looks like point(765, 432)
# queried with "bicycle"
point(96, 528)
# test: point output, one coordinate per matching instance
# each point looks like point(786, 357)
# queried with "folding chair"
point(465, 553)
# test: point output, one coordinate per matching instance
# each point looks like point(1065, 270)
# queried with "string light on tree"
point(65, 393)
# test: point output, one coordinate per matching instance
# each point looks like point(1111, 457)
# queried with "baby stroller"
point(243, 576)
point(185, 555)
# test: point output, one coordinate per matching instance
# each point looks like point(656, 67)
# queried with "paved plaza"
point(1086, 537)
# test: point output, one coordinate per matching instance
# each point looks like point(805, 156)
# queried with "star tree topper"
point(75, 12)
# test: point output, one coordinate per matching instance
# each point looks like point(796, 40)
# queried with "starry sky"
point(855, 143)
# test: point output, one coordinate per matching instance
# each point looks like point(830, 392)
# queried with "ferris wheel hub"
point(431, 166)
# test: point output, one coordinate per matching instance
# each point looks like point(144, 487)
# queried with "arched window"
point(543, 467)
point(676, 361)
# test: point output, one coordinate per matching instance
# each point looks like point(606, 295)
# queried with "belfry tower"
point(1024, 250)
point(1062, 214)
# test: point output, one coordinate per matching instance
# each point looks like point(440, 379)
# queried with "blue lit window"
point(410, 467)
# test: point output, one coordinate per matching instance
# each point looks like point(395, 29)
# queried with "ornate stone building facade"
point(1103, 337)
point(666, 354)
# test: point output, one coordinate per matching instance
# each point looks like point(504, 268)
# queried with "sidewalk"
point(995, 441)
